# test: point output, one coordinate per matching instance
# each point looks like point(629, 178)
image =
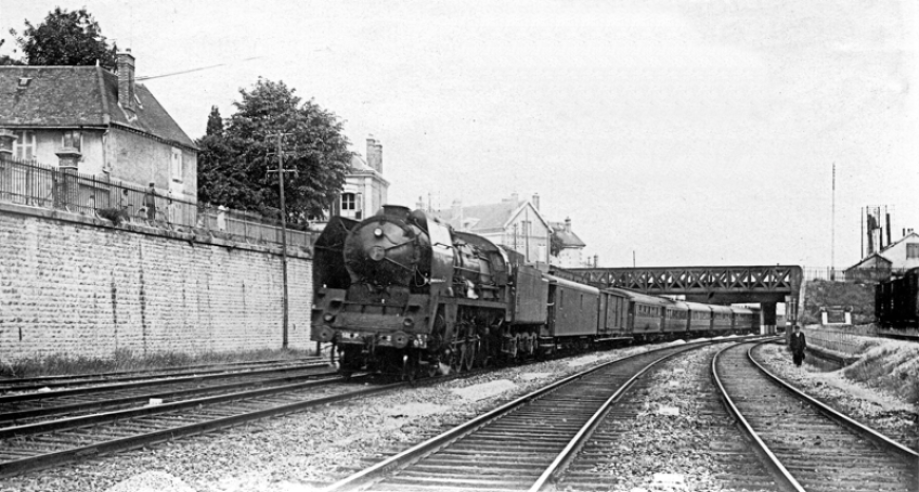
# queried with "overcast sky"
point(692, 132)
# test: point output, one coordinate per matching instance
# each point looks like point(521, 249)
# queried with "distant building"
point(897, 257)
point(512, 223)
point(90, 120)
point(365, 190)
point(571, 248)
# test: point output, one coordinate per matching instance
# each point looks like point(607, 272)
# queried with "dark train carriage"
point(700, 317)
point(573, 309)
point(745, 320)
point(613, 319)
point(676, 317)
point(722, 318)
point(646, 314)
point(897, 301)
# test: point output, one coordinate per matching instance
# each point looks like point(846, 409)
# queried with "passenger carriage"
point(700, 317)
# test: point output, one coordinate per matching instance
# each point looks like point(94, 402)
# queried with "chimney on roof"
point(515, 199)
point(536, 200)
point(374, 154)
point(567, 224)
point(125, 69)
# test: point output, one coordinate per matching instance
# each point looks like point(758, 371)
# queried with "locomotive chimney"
point(536, 201)
point(125, 67)
point(374, 154)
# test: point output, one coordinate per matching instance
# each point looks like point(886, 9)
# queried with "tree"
point(312, 144)
point(66, 38)
point(7, 59)
point(212, 154)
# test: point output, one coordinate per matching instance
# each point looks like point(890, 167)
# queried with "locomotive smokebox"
point(386, 249)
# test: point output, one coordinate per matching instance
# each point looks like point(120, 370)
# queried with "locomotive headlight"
point(329, 317)
point(378, 232)
point(408, 322)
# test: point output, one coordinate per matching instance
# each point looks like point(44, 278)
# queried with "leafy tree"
point(66, 38)
point(213, 154)
point(7, 59)
point(312, 144)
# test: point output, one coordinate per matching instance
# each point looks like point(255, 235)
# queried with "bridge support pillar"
point(769, 318)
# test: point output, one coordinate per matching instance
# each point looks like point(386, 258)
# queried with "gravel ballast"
point(306, 451)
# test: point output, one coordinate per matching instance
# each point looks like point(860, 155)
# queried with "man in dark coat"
point(798, 345)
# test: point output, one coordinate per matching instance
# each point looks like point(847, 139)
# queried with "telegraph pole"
point(833, 231)
point(280, 170)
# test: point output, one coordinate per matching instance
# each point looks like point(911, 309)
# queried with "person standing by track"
point(798, 346)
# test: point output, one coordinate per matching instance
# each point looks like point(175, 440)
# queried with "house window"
point(912, 250)
point(348, 203)
point(177, 164)
point(73, 139)
point(24, 146)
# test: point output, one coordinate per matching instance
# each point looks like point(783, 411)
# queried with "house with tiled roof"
point(512, 223)
point(570, 247)
point(92, 121)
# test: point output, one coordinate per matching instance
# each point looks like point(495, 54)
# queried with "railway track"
point(8, 385)
point(613, 449)
point(808, 445)
point(28, 407)
point(521, 445)
point(45, 444)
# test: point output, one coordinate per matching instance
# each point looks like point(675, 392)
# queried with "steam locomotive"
point(402, 292)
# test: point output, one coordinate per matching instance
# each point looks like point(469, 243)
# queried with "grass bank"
point(891, 366)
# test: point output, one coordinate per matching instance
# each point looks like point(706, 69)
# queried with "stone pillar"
point(67, 193)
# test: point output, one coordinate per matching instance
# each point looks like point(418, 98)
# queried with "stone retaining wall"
point(79, 286)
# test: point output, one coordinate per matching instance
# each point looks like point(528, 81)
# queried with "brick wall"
point(72, 285)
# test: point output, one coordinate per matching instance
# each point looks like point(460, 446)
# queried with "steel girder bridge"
point(766, 285)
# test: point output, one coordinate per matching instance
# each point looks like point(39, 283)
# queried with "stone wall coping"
point(190, 235)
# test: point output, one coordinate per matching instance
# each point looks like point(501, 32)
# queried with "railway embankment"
point(823, 294)
point(879, 389)
point(887, 365)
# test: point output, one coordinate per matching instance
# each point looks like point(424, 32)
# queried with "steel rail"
point(6, 399)
point(771, 460)
point(67, 423)
point(17, 467)
point(566, 455)
point(886, 442)
point(400, 460)
point(162, 370)
point(89, 405)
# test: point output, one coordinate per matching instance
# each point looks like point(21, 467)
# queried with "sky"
point(674, 132)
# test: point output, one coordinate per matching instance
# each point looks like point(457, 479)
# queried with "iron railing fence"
point(37, 185)
point(845, 339)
